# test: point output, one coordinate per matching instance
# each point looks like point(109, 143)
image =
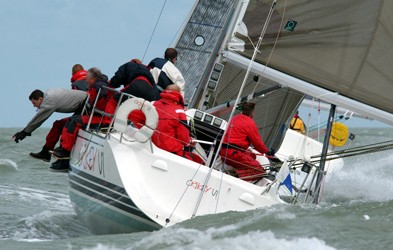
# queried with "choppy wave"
point(36, 213)
point(367, 178)
point(28, 196)
point(45, 226)
point(225, 237)
point(7, 164)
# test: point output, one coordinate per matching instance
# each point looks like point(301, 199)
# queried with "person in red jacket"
point(242, 133)
point(172, 133)
point(95, 80)
point(78, 79)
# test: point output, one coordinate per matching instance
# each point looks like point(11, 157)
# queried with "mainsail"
point(341, 46)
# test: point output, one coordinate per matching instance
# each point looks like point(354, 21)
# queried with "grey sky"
point(42, 39)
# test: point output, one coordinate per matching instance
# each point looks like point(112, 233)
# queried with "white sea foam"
point(366, 179)
point(6, 163)
point(226, 237)
point(103, 247)
point(29, 196)
point(33, 215)
point(34, 240)
point(51, 199)
point(202, 241)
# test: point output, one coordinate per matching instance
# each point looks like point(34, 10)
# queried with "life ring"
point(121, 118)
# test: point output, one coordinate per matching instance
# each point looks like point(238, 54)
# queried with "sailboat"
point(272, 53)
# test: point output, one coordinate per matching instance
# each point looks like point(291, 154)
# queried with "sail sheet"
point(341, 46)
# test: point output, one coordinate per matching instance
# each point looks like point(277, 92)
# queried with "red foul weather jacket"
point(79, 75)
point(78, 80)
point(242, 132)
point(104, 94)
point(171, 134)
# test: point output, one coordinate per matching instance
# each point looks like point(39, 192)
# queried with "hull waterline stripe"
point(107, 189)
point(132, 222)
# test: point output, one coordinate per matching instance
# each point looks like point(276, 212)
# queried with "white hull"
point(123, 187)
point(96, 190)
point(126, 186)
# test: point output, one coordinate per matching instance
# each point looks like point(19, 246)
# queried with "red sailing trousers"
point(54, 133)
point(244, 162)
point(71, 129)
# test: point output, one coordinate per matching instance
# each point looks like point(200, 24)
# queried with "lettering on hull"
point(91, 158)
point(204, 188)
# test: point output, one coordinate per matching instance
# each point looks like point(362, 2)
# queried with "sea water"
point(356, 211)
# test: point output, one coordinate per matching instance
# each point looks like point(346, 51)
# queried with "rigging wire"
point(375, 147)
point(360, 150)
point(269, 57)
point(167, 220)
point(154, 30)
point(275, 41)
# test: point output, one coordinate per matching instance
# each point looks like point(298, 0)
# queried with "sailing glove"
point(271, 152)
point(20, 136)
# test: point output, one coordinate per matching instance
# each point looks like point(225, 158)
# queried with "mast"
point(325, 148)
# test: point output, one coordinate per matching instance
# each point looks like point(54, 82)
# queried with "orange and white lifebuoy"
point(121, 118)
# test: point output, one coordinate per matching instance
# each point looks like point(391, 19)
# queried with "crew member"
point(78, 82)
point(171, 133)
point(95, 80)
point(53, 100)
point(297, 124)
point(242, 133)
point(137, 81)
point(165, 72)
point(78, 79)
